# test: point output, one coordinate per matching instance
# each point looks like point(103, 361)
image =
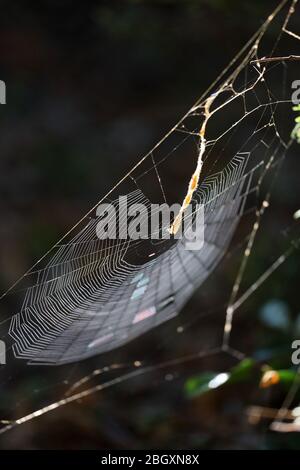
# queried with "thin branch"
point(264, 60)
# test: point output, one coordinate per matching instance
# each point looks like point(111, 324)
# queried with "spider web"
point(91, 299)
point(88, 296)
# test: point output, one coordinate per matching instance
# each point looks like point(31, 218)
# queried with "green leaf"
point(288, 376)
point(242, 371)
point(295, 134)
point(198, 385)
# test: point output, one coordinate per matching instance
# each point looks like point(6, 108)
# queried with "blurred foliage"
point(246, 371)
point(209, 381)
point(296, 130)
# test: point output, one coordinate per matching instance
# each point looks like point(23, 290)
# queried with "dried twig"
point(264, 60)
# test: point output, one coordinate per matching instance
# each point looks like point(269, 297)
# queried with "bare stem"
point(264, 60)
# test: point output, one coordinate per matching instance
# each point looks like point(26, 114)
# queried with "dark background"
point(91, 86)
